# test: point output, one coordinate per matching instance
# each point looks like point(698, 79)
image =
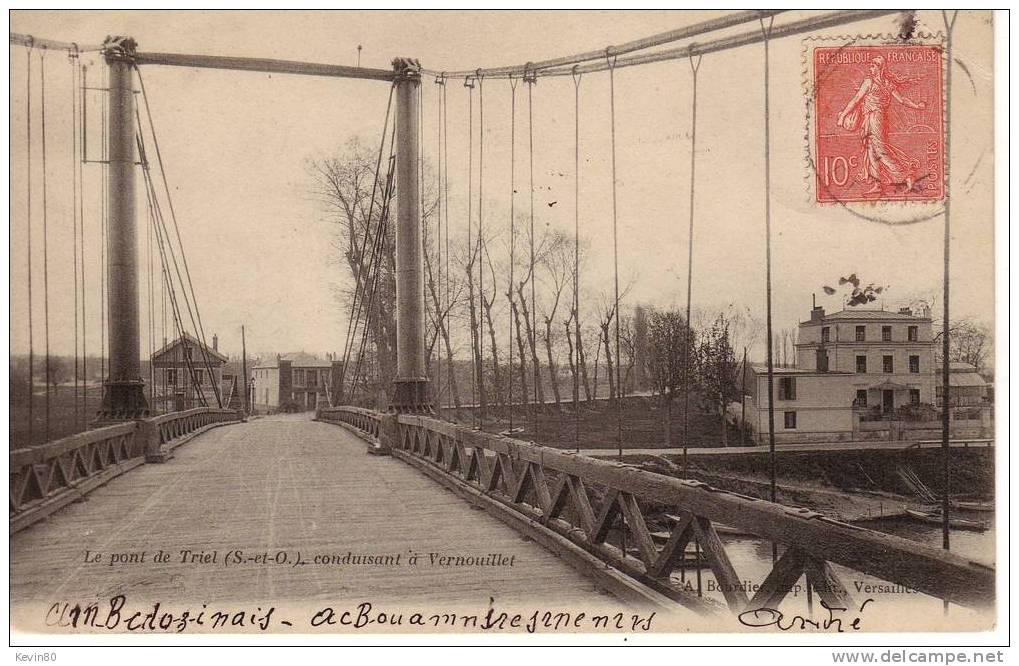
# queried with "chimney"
point(215, 342)
point(816, 314)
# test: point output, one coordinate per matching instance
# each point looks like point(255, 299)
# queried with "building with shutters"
point(853, 368)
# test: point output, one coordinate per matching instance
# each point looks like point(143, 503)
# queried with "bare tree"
point(556, 260)
point(442, 306)
point(357, 197)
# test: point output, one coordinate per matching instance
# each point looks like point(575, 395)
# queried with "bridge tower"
point(123, 392)
point(411, 383)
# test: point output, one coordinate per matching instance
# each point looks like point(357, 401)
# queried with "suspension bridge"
point(207, 481)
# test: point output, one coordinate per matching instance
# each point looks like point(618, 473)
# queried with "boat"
point(933, 518)
point(719, 528)
point(971, 506)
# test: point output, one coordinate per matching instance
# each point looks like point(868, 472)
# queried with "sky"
point(236, 146)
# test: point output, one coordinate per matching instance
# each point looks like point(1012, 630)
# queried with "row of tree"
point(505, 300)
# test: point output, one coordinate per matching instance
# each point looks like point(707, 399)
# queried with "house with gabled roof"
point(187, 374)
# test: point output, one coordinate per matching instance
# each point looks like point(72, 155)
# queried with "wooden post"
point(244, 370)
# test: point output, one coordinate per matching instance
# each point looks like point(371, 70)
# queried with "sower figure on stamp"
point(868, 111)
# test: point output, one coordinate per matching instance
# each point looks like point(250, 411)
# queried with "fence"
point(47, 477)
point(594, 513)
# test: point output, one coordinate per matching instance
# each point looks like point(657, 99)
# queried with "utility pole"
point(124, 392)
point(411, 384)
point(743, 401)
point(244, 369)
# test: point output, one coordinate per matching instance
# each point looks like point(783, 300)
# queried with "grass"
point(64, 418)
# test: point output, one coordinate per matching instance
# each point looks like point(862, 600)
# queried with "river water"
point(892, 605)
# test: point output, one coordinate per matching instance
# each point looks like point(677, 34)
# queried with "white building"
point(851, 366)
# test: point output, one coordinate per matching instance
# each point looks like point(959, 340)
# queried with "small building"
point(293, 382)
point(186, 374)
point(965, 385)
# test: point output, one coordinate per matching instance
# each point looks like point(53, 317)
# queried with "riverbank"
point(845, 485)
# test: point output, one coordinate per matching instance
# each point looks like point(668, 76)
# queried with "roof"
point(194, 341)
point(297, 360)
point(966, 379)
point(855, 314)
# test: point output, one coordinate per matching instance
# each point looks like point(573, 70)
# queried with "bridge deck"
point(281, 483)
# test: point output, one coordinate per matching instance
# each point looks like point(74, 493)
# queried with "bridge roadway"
point(282, 483)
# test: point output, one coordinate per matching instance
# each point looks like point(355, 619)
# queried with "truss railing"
point(641, 523)
point(48, 477)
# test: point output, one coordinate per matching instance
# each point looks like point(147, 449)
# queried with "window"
point(888, 365)
point(299, 377)
point(886, 333)
point(198, 376)
point(912, 334)
point(790, 420)
point(861, 333)
point(914, 397)
point(822, 360)
point(825, 334)
point(187, 352)
point(787, 388)
point(914, 364)
point(171, 376)
point(312, 378)
point(861, 363)
point(861, 397)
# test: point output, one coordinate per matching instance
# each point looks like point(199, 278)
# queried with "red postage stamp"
point(878, 123)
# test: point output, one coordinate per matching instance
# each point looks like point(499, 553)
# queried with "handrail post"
point(123, 393)
point(410, 394)
point(148, 434)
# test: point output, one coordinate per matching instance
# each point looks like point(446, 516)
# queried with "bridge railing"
point(641, 522)
point(175, 427)
point(364, 422)
point(49, 476)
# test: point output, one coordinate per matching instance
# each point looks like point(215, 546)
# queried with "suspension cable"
point(440, 314)
point(469, 84)
point(166, 248)
point(615, 255)
point(565, 62)
point(104, 269)
point(694, 68)
point(165, 238)
point(513, 236)
point(481, 247)
point(28, 254)
point(766, 32)
point(45, 238)
point(373, 267)
point(576, 257)
point(445, 196)
point(530, 80)
point(200, 329)
point(72, 58)
point(377, 252)
point(361, 277)
point(82, 103)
